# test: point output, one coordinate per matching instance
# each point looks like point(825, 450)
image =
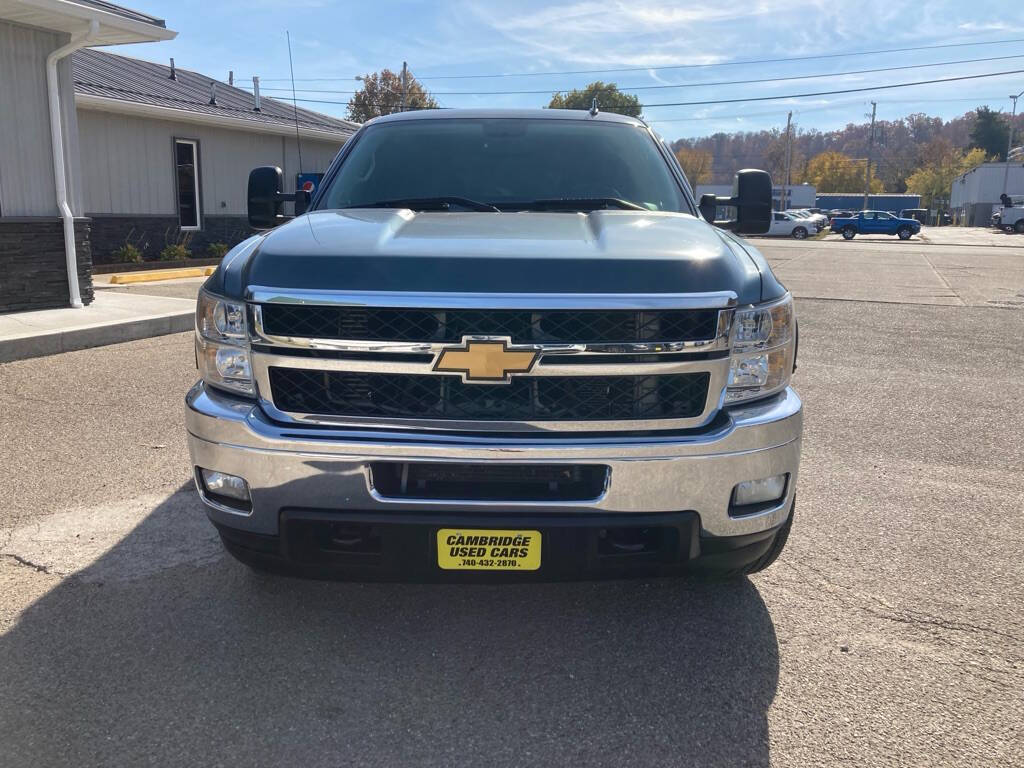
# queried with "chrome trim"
point(411, 300)
point(325, 468)
point(719, 343)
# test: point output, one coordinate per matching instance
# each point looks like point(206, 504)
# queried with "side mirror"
point(752, 199)
point(265, 198)
point(302, 198)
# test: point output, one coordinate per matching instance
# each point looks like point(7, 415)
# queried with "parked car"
point(788, 225)
point(817, 220)
point(837, 214)
point(423, 375)
point(1010, 218)
point(875, 223)
point(920, 214)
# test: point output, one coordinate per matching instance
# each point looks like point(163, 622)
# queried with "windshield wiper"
point(577, 204)
point(430, 203)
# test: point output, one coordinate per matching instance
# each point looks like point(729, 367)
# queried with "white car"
point(820, 220)
point(788, 225)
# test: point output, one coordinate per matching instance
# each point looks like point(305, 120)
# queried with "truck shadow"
point(205, 662)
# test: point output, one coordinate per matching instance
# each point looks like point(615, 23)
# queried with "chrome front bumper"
point(289, 466)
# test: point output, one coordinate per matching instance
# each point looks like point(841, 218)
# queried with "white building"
point(974, 194)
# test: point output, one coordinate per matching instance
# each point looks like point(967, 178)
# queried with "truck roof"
point(533, 114)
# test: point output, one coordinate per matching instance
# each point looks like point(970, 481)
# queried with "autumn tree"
point(836, 172)
point(381, 94)
point(990, 132)
point(942, 162)
point(609, 99)
point(696, 164)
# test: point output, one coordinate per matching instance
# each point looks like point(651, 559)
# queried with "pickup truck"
point(875, 223)
point(498, 346)
point(1010, 218)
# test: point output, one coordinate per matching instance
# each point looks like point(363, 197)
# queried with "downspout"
point(78, 40)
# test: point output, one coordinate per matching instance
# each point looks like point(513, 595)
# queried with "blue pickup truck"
point(875, 223)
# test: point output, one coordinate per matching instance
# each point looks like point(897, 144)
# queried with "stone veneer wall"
point(151, 234)
point(33, 270)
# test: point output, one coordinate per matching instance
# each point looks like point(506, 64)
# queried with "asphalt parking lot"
point(889, 633)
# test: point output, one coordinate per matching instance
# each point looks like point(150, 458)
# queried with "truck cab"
point(498, 346)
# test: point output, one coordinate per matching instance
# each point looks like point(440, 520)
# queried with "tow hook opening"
point(349, 538)
point(626, 541)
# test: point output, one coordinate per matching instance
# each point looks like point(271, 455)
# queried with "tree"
point(696, 164)
point(381, 94)
point(836, 172)
point(941, 163)
point(609, 99)
point(990, 132)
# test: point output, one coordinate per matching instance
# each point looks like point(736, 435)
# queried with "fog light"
point(759, 491)
point(223, 484)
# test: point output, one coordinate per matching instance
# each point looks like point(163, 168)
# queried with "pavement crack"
point(27, 563)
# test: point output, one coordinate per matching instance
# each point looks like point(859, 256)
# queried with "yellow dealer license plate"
point(462, 549)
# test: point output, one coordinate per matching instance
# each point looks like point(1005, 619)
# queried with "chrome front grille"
point(646, 362)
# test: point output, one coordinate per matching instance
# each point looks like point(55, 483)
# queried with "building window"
point(186, 164)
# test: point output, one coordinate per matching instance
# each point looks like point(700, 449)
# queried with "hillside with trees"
point(916, 153)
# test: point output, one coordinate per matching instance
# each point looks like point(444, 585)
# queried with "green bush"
point(217, 250)
point(175, 252)
point(127, 254)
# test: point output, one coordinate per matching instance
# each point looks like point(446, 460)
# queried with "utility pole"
point(405, 84)
point(1009, 140)
point(871, 146)
point(789, 157)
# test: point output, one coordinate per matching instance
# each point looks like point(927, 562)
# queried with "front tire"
point(1019, 227)
point(800, 233)
point(849, 233)
point(904, 234)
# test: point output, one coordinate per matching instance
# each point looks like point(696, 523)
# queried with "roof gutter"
point(78, 40)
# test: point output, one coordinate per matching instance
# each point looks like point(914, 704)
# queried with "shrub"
point(217, 250)
point(175, 252)
point(127, 254)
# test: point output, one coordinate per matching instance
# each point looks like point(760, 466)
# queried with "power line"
point(693, 85)
point(683, 66)
point(831, 93)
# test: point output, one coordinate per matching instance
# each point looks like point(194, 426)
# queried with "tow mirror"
point(752, 199)
point(266, 200)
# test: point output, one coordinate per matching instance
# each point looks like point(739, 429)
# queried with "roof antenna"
point(174, 75)
point(593, 107)
point(295, 108)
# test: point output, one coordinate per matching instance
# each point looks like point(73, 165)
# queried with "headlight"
point(763, 339)
point(222, 344)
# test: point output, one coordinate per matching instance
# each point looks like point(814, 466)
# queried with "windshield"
point(504, 162)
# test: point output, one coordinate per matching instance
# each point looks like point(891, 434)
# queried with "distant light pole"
point(1009, 140)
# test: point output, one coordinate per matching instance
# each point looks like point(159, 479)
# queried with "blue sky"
point(474, 37)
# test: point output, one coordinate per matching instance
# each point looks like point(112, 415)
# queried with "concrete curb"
point(101, 334)
point(123, 278)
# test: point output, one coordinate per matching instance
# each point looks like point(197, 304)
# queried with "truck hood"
point(521, 252)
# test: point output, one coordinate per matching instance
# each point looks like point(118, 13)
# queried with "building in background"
point(975, 194)
point(854, 201)
point(797, 195)
point(99, 150)
point(166, 153)
point(42, 231)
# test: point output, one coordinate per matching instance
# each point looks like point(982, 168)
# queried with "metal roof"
point(121, 78)
point(120, 10)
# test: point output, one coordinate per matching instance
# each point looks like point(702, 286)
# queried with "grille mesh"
point(542, 398)
point(523, 326)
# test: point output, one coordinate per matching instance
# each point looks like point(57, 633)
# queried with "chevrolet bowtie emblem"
point(486, 361)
